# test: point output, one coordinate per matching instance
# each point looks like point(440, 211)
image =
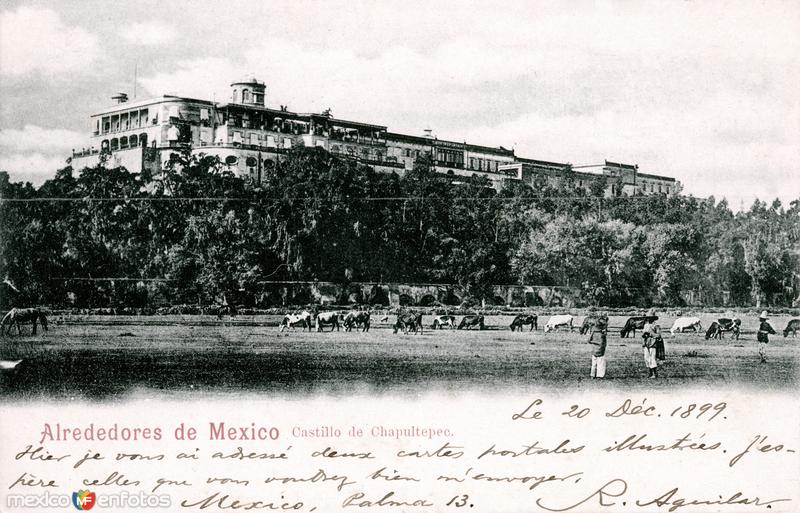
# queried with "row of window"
point(450, 158)
point(250, 162)
point(255, 140)
point(131, 120)
point(274, 125)
point(124, 142)
point(408, 152)
point(248, 97)
point(140, 118)
point(483, 164)
point(652, 188)
point(364, 152)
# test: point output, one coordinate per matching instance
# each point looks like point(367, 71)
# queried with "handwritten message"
point(531, 452)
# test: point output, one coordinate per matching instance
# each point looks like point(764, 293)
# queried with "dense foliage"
point(319, 217)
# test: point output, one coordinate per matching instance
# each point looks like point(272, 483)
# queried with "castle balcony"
point(354, 138)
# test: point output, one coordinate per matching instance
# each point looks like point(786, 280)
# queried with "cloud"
point(712, 147)
point(200, 78)
point(149, 33)
point(34, 138)
point(31, 167)
point(35, 39)
point(34, 154)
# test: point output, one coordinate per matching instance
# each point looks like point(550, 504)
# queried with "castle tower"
point(248, 92)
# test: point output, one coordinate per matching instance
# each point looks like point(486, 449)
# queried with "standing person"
point(661, 352)
point(651, 336)
point(764, 331)
point(598, 339)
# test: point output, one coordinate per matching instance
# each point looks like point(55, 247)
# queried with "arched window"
point(245, 95)
point(231, 160)
point(123, 141)
point(251, 162)
point(104, 144)
point(235, 96)
point(133, 141)
point(114, 144)
point(143, 140)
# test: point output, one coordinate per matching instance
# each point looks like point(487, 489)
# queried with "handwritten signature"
point(673, 500)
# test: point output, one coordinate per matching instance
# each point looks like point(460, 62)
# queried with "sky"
point(706, 92)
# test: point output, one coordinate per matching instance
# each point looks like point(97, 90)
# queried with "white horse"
point(302, 319)
point(557, 321)
point(683, 323)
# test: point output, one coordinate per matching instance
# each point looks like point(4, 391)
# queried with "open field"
point(108, 357)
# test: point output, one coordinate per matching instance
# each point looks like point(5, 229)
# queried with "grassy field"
point(108, 357)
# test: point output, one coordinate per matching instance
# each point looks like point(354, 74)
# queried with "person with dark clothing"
point(598, 339)
point(650, 337)
point(765, 329)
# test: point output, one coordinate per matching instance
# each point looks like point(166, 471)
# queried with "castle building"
point(249, 138)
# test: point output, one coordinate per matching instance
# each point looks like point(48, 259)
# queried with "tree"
point(767, 264)
point(668, 251)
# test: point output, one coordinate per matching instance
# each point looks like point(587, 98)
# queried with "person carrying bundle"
point(598, 339)
point(652, 339)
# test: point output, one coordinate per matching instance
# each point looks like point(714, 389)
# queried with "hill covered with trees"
point(197, 232)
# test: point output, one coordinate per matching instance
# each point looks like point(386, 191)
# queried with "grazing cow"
point(408, 321)
point(793, 326)
point(471, 321)
point(714, 331)
point(723, 324)
point(686, 323)
point(327, 319)
point(557, 321)
point(21, 315)
point(441, 321)
point(636, 323)
point(521, 320)
point(302, 319)
point(357, 319)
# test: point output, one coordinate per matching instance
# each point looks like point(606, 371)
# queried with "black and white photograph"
point(305, 219)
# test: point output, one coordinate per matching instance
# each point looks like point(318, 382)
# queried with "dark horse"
point(408, 321)
point(471, 321)
point(357, 320)
point(21, 315)
point(636, 323)
point(521, 320)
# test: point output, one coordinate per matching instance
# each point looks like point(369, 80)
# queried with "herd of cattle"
point(412, 323)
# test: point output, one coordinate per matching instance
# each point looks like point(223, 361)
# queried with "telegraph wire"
point(222, 199)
